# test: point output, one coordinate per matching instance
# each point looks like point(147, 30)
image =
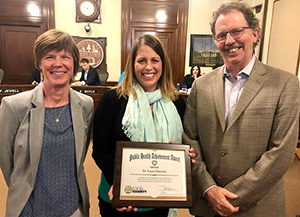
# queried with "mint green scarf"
point(140, 124)
point(143, 125)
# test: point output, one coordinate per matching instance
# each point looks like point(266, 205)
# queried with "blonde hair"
point(55, 40)
point(165, 81)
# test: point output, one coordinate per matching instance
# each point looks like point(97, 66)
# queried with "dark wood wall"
point(139, 18)
point(19, 29)
point(21, 22)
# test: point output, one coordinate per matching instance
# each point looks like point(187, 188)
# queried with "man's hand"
point(76, 83)
point(192, 153)
point(217, 199)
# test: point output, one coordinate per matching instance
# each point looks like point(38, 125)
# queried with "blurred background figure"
point(121, 77)
point(190, 78)
point(89, 75)
point(36, 77)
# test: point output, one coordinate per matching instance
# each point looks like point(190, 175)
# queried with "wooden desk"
point(184, 96)
point(95, 92)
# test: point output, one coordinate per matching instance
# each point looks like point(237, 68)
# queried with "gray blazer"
point(21, 136)
point(250, 155)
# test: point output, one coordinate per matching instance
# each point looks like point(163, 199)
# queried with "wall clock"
point(88, 11)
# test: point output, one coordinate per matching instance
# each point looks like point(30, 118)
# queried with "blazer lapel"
point(252, 87)
point(218, 97)
point(36, 128)
point(78, 123)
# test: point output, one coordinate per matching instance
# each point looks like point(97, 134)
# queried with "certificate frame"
point(121, 199)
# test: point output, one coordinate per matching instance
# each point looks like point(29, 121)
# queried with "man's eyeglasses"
point(235, 34)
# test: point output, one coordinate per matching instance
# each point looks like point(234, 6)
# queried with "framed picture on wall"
point(203, 51)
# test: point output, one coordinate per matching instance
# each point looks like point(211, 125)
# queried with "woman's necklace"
point(57, 119)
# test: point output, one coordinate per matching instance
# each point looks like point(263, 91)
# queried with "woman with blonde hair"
point(144, 108)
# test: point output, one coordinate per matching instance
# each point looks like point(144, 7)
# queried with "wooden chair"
point(103, 76)
point(1, 75)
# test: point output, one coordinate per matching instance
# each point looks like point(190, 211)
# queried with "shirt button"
point(218, 178)
point(222, 153)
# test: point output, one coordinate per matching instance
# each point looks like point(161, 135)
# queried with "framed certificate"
point(152, 175)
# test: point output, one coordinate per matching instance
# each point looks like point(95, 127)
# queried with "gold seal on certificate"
point(147, 174)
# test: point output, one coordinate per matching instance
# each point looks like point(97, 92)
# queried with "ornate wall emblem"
point(91, 50)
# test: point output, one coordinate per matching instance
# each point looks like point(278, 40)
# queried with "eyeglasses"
point(234, 33)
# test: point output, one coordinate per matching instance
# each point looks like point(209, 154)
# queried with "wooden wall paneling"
point(146, 12)
point(140, 17)
point(19, 27)
point(126, 40)
point(96, 92)
point(166, 36)
point(17, 12)
point(16, 47)
point(49, 14)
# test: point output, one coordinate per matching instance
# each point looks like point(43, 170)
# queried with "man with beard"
point(243, 120)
